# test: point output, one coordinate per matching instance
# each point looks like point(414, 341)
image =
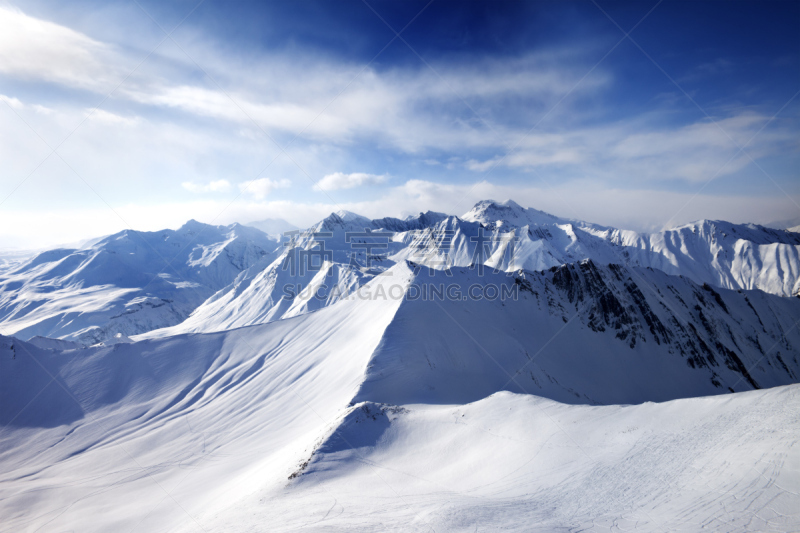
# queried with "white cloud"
point(410, 109)
point(340, 180)
point(16, 104)
point(213, 186)
point(635, 150)
point(101, 115)
point(261, 188)
point(482, 166)
point(32, 48)
point(135, 146)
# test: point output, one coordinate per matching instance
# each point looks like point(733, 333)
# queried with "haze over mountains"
point(433, 373)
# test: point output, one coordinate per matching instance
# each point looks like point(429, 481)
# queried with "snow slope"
point(580, 333)
point(514, 462)
point(127, 283)
point(286, 424)
point(126, 435)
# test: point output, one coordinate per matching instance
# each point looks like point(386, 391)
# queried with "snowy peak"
point(230, 276)
point(507, 215)
point(716, 253)
point(348, 216)
point(343, 221)
point(412, 222)
point(349, 221)
point(193, 225)
point(427, 218)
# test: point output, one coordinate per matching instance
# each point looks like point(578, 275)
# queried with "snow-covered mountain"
point(503, 236)
point(485, 372)
point(317, 268)
point(698, 340)
point(734, 256)
point(132, 283)
point(629, 335)
point(381, 413)
point(127, 283)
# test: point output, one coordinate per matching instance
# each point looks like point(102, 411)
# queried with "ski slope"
point(94, 448)
point(513, 462)
point(334, 420)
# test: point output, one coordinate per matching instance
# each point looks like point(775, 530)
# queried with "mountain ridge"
point(461, 349)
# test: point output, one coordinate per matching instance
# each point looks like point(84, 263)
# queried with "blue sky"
point(145, 114)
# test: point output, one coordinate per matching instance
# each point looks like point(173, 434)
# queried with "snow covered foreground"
point(515, 462)
point(313, 422)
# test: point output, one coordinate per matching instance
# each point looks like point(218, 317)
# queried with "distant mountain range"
point(273, 227)
point(127, 283)
point(212, 278)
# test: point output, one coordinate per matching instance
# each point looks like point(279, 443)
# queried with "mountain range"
point(506, 369)
point(212, 278)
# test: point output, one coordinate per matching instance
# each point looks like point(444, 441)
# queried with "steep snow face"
point(127, 283)
point(636, 333)
point(580, 333)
